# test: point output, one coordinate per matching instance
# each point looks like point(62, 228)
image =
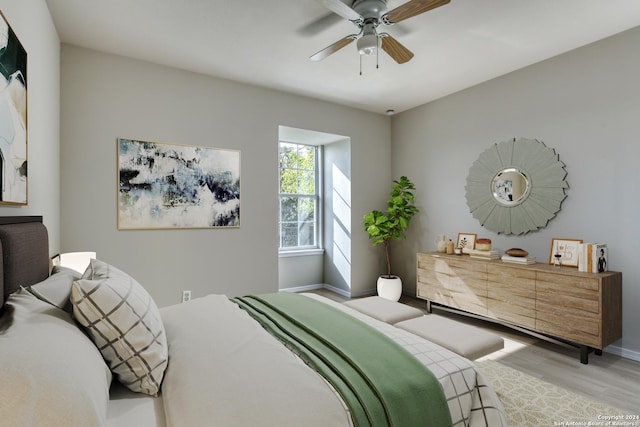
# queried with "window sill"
point(300, 252)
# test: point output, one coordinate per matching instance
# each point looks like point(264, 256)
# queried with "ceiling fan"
point(367, 15)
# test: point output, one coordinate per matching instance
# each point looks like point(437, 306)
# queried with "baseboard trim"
point(348, 294)
point(305, 288)
point(623, 352)
point(338, 291)
point(341, 292)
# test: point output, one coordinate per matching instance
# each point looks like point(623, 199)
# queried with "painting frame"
point(13, 116)
point(173, 186)
point(567, 249)
point(466, 241)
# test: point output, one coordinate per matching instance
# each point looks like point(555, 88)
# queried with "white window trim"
point(319, 197)
point(287, 253)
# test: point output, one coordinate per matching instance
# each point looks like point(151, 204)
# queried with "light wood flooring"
point(610, 379)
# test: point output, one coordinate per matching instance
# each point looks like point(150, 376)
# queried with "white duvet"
point(226, 370)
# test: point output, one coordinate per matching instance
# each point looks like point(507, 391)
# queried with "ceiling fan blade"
point(319, 25)
point(411, 9)
point(395, 49)
point(318, 56)
point(341, 9)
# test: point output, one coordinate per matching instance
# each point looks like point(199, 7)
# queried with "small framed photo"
point(466, 241)
point(564, 252)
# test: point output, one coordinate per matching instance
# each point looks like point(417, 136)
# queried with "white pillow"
point(56, 289)
point(124, 323)
point(51, 374)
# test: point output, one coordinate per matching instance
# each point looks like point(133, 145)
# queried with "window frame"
point(316, 197)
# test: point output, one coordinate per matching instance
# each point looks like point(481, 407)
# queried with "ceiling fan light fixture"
point(367, 44)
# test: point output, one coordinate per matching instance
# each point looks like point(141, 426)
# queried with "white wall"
point(586, 105)
point(31, 22)
point(105, 97)
point(339, 227)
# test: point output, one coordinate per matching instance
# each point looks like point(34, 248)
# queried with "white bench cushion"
point(466, 340)
point(383, 309)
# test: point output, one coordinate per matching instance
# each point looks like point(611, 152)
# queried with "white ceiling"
point(268, 42)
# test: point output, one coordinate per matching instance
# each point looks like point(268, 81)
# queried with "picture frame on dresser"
point(564, 252)
point(466, 241)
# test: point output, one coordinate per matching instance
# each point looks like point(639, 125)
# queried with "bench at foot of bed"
point(383, 309)
point(466, 340)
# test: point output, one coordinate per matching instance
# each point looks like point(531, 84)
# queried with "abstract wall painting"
point(13, 117)
point(164, 186)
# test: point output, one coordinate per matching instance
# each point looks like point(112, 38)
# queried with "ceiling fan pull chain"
point(360, 56)
point(378, 54)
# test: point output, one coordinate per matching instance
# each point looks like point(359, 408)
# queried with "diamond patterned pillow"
point(124, 323)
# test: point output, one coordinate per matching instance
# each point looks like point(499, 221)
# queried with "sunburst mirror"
point(516, 186)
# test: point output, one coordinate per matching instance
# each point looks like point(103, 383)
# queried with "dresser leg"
point(428, 306)
point(584, 354)
point(597, 352)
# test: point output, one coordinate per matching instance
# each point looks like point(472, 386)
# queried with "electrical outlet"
point(186, 296)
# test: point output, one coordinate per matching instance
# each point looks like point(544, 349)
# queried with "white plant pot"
point(390, 288)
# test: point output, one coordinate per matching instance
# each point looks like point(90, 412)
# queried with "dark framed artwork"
point(177, 186)
point(13, 117)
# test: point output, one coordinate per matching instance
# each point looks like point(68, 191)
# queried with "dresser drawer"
point(568, 295)
point(466, 300)
point(451, 264)
point(571, 326)
point(455, 282)
point(511, 295)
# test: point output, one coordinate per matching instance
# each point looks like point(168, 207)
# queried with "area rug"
point(531, 402)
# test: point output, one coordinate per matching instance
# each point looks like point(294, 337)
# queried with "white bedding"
point(225, 369)
point(127, 408)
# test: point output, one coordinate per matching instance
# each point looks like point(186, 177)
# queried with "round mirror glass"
point(510, 187)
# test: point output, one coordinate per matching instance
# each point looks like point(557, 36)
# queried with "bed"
point(67, 358)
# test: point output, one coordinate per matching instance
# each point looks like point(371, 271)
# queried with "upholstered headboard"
point(24, 246)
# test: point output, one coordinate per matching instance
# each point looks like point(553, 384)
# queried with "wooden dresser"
point(584, 309)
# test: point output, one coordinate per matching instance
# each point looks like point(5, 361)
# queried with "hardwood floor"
point(610, 379)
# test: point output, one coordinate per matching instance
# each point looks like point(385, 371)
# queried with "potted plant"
point(383, 227)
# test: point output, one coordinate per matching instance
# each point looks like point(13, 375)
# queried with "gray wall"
point(586, 105)
point(105, 97)
point(32, 24)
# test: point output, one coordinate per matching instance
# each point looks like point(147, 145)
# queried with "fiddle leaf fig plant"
point(383, 227)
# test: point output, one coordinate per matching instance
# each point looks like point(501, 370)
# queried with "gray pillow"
point(51, 372)
point(56, 289)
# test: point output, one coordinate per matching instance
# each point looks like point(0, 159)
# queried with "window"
point(299, 196)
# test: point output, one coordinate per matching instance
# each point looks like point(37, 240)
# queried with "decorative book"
point(474, 253)
point(593, 257)
point(519, 259)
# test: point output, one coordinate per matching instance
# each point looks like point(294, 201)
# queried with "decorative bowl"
point(516, 252)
